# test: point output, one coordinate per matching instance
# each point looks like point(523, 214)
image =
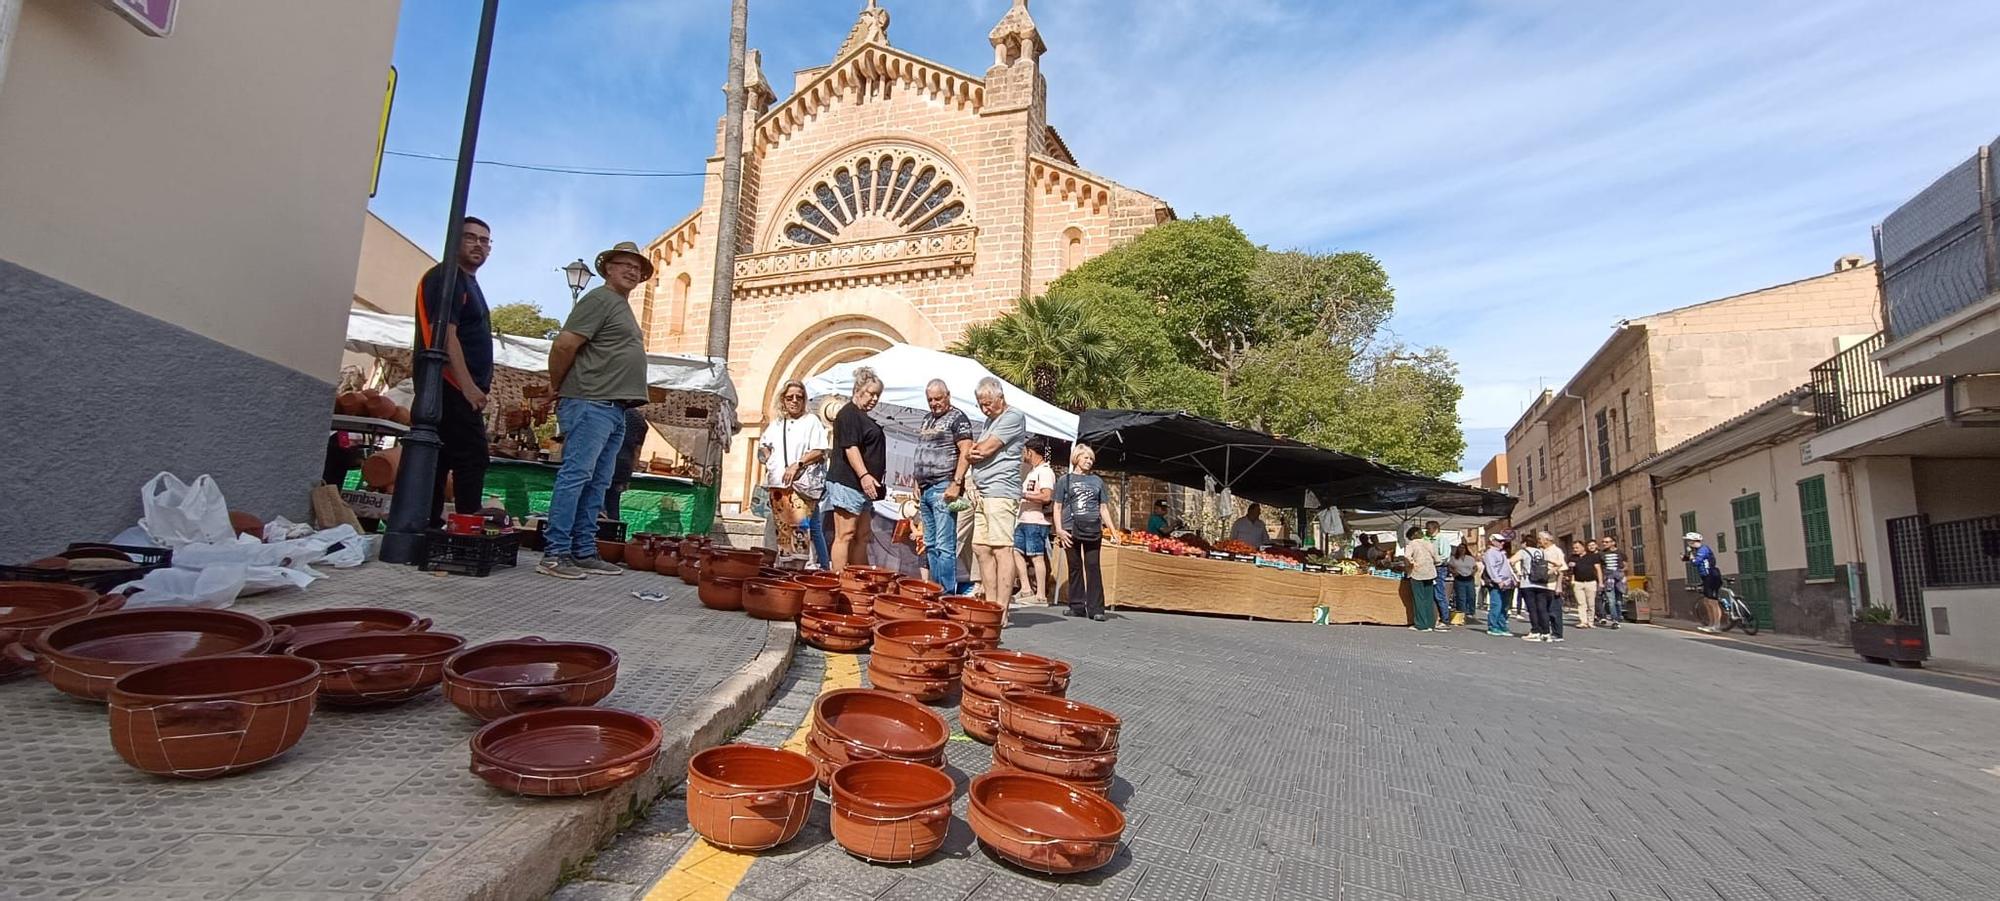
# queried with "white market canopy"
point(905, 369)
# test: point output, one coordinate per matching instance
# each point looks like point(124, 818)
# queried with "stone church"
point(888, 199)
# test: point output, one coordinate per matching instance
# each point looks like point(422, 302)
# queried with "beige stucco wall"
point(215, 178)
point(386, 278)
point(1773, 474)
point(1975, 620)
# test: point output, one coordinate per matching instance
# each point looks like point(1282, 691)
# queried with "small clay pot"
point(502, 678)
point(821, 590)
point(689, 567)
point(842, 625)
point(734, 563)
point(350, 403)
point(340, 622)
point(780, 601)
point(881, 722)
point(611, 551)
point(667, 559)
point(378, 668)
point(378, 471)
point(973, 611)
point(871, 579)
point(381, 407)
point(565, 751)
point(1062, 763)
point(28, 609)
point(928, 639)
point(639, 554)
point(890, 811)
point(925, 690)
point(719, 593)
point(749, 798)
point(246, 524)
point(918, 588)
point(83, 656)
point(1043, 824)
point(897, 607)
point(1058, 721)
point(212, 716)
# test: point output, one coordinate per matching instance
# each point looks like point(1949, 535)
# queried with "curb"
point(526, 858)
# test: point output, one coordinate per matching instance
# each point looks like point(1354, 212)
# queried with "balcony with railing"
point(1851, 384)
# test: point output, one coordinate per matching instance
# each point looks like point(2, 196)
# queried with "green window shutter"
point(1687, 523)
point(1818, 528)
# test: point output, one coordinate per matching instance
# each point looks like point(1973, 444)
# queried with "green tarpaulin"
point(665, 506)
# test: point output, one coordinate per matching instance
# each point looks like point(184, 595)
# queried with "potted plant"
point(1878, 636)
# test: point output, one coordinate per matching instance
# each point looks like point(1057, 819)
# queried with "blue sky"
point(1529, 171)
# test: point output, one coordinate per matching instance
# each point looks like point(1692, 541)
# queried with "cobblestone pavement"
point(368, 800)
point(1265, 760)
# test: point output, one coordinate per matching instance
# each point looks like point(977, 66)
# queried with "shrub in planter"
point(1878, 636)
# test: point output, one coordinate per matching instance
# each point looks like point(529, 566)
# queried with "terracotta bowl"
point(501, 678)
point(1100, 787)
point(639, 554)
point(835, 644)
point(985, 678)
point(897, 607)
point(871, 579)
point(925, 690)
point(748, 798)
point(890, 811)
point(565, 751)
point(912, 668)
point(976, 633)
point(1019, 666)
point(859, 603)
point(989, 690)
point(774, 574)
point(881, 722)
point(720, 593)
point(211, 716)
point(1049, 760)
point(689, 569)
point(918, 588)
point(984, 730)
point(972, 704)
point(821, 590)
point(773, 600)
point(1041, 824)
point(734, 563)
point(611, 551)
point(379, 668)
point(971, 610)
point(83, 656)
point(28, 609)
point(830, 754)
point(1059, 721)
point(927, 639)
point(340, 622)
point(246, 524)
point(841, 625)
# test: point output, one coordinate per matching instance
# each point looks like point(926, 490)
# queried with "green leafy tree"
point(1197, 274)
point(1056, 347)
point(1392, 405)
point(524, 319)
point(1345, 296)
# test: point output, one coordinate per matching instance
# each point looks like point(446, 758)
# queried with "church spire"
point(871, 27)
point(1016, 36)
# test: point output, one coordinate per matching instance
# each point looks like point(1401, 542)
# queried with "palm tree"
point(1057, 348)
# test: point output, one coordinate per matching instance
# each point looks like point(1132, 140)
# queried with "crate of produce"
point(469, 555)
point(98, 567)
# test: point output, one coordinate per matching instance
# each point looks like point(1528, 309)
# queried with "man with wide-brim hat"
point(597, 365)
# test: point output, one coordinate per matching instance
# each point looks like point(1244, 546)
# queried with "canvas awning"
point(1188, 450)
point(906, 368)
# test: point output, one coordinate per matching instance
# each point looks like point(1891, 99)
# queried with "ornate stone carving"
point(881, 191)
point(900, 258)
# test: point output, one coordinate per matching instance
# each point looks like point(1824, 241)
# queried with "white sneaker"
point(1531, 637)
point(1555, 639)
point(1704, 629)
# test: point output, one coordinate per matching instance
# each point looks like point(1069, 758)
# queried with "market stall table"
point(1136, 577)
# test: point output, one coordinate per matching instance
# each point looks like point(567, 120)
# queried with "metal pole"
point(722, 290)
point(416, 475)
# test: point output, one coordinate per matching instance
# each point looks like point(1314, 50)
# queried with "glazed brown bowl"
point(917, 588)
point(871, 579)
point(380, 667)
point(83, 656)
point(1098, 787)
point(897, 607)
point(890, 811)
point(1020, 666)
point(773, 600)
point(880, 722)
point(982, 729)
point(831, 754)
point(928, 639)
point(1042, 824)
point(733, 563)
point(611, 551)
point(340, 622)
point(1049, 760)
point(859, 603)
point(211, 716)
point(912, 668)
point(31, 608)
point(667, 560)
point(983, 677)
point(842, 625)
point(1059, 721)
point(718, 592)
point(836, 644)
point(972, 611)
point(925, 690)
point(502, 678)
point(565, 752)
point(747, 797)
point(822, 590)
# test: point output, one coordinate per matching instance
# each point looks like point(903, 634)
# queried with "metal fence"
point(1938, 250)
point(1908, 566)
point(1963, 553)
point(1851, 384)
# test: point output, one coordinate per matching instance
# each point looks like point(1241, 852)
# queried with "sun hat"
point(626, 247)
point(1691, 536)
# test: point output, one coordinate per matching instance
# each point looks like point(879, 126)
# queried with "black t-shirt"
point(854, 428)
point(471, 320)
point(1584, 568)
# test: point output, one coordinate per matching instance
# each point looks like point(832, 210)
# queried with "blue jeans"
point(940, 536)
point(592, 431)
point(821, 545)
point(1496, 609)
point(1612, 596)
point(1464, 597)
point(1437, 596)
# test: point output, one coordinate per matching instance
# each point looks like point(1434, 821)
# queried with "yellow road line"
point(705, 871)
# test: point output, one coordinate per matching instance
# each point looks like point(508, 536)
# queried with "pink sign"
point(154, 17)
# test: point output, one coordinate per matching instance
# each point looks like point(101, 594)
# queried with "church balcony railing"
point(867, 261)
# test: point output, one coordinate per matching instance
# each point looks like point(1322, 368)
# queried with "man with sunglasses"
point(468, 373)
point(793, 451)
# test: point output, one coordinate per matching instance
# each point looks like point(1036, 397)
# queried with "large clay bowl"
point(340, 622)
point(971, 610)
point(982, 729)
point(842, 625)
point(1059, 721)
point(859, 603)
point(379, 667)
point(990, 689)
point(748, 798)
point(501, 678)
point(83, 656)
point(773, 600)
point(211, 716)
point(611, 551)
point(734, 563)
point(830, 754)
point(917, 588)
point(974, 704)
point(565, 751)
point(890, 811)
point(836, 644)
point(28, 609)
point(912, 668)
point(1019, 666)
point(720, 593)
point(925, 690)
point(639, 554)
point(898, 607)
point(871, 579)
point(822, 589)
point(1099, 787)
point(983, 677)
point(1062, 763)
point(1042, 824)
point(928, 639)
point(881, 722)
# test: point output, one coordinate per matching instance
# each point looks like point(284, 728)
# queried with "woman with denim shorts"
point(854, 475)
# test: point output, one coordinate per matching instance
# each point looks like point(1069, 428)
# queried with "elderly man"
point(598, 365)
point(1250, 528)
point(996, 472)
point(468, 373)
point(944, 443)
point(793, 451)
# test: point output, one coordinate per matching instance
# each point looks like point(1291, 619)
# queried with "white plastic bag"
point(351, 552)
point(178, 514)
point(213, 586)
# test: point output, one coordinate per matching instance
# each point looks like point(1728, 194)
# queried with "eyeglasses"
point(795, 395)
point(478, 240)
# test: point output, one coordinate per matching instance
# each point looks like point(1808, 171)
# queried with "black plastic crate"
point(469, 555)
point(146, 559)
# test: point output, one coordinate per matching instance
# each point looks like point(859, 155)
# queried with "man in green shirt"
point(598, 365)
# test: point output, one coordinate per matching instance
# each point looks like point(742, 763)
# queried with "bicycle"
point(1734, 611)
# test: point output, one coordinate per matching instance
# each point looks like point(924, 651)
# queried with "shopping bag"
point(177, 514)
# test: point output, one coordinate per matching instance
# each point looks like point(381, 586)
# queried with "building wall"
point(1949, 489)
point(1974, 615)
point(195, 202)
point(385, 280)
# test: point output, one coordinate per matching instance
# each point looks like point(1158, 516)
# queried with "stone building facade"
point(888, 199)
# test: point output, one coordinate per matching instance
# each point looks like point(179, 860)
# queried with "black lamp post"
point(579, 275)
point(416, 475)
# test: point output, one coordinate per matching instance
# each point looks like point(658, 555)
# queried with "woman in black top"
point(854, 474)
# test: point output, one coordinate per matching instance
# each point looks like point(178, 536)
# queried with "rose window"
point(877, 195)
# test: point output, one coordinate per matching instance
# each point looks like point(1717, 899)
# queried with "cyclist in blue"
point(1703, 559)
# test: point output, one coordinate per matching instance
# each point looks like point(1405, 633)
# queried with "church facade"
point(888, 199)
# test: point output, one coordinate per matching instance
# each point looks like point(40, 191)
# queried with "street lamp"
point(579, 275)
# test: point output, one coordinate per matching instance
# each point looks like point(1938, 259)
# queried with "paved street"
point(1269, 760)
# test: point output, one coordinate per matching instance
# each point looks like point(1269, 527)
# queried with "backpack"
point(1538, 567)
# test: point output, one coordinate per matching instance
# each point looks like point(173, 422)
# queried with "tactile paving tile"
point(217, 860)
point(343, 865)
point(76, 857)
point(138, 891)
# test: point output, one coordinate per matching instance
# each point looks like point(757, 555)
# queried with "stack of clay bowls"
point(892, 607)
point(989, 675)
point(980, 617)
point(822, 592)
point(860, 584)
point(1058, 738)
point(856, 724)
point(840, 633)
point(920, 659)
point(749, 798)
